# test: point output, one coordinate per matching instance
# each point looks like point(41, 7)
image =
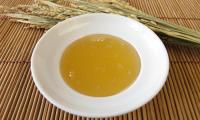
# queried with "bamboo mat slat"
point(15, 2)
point(169, 8)
point(179, 99)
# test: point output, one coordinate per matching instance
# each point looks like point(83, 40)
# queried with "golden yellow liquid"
point(99, 65)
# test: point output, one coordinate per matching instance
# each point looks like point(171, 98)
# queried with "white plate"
point(47, 53)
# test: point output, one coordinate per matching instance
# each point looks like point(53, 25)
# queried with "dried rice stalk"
point(48, 13)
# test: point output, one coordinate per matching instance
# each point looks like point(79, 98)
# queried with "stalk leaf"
point(50, 12)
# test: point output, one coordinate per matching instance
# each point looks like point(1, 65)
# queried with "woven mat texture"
point(179, 99)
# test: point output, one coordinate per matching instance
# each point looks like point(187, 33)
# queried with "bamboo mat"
point(178, 100)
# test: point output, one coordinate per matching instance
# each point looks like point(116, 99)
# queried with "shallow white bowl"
point(47, 53)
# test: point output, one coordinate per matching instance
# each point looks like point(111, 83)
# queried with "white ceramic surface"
point(47, 53)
